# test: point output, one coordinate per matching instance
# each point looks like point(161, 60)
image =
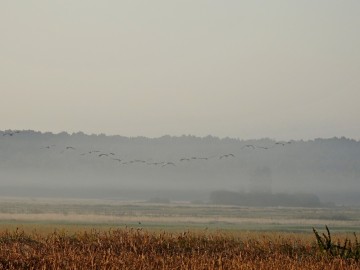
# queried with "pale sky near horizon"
point(246, 69)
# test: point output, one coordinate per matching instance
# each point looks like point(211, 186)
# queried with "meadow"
point(176, 216)
point(51, 234)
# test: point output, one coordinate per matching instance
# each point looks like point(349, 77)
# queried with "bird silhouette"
point(168, 163)
point(156, 163)
point(48, 146)
point(280, 143)
point(68, 148)
point(226, 156)
point(248, 146)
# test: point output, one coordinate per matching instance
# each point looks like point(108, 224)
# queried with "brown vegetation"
point(138, 249)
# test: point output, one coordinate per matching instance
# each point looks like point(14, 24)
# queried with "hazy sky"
point(249, 69)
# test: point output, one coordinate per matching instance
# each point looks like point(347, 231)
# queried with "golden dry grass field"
point(141, 249)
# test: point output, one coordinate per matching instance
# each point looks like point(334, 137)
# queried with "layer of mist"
point(185, 168)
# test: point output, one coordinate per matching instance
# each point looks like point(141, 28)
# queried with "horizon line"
point(174, 136)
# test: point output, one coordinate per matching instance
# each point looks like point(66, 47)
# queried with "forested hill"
point(185, 164)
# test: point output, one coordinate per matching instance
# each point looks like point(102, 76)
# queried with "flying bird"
point(280, 143)
point(48, 146)
point(155, 163)
point(168, 163)
point(68, 148)
point(226, 156)
point(248, 146)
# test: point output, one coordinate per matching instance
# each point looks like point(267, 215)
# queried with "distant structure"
point(261, 180)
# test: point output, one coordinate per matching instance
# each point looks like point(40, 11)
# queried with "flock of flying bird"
point(113, 156)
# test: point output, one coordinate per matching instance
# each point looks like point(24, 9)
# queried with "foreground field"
point(79, 234)
point(139, 249)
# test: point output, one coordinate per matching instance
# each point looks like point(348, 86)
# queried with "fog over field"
point(35, 164)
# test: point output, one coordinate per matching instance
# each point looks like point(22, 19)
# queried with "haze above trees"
point(176, 168)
